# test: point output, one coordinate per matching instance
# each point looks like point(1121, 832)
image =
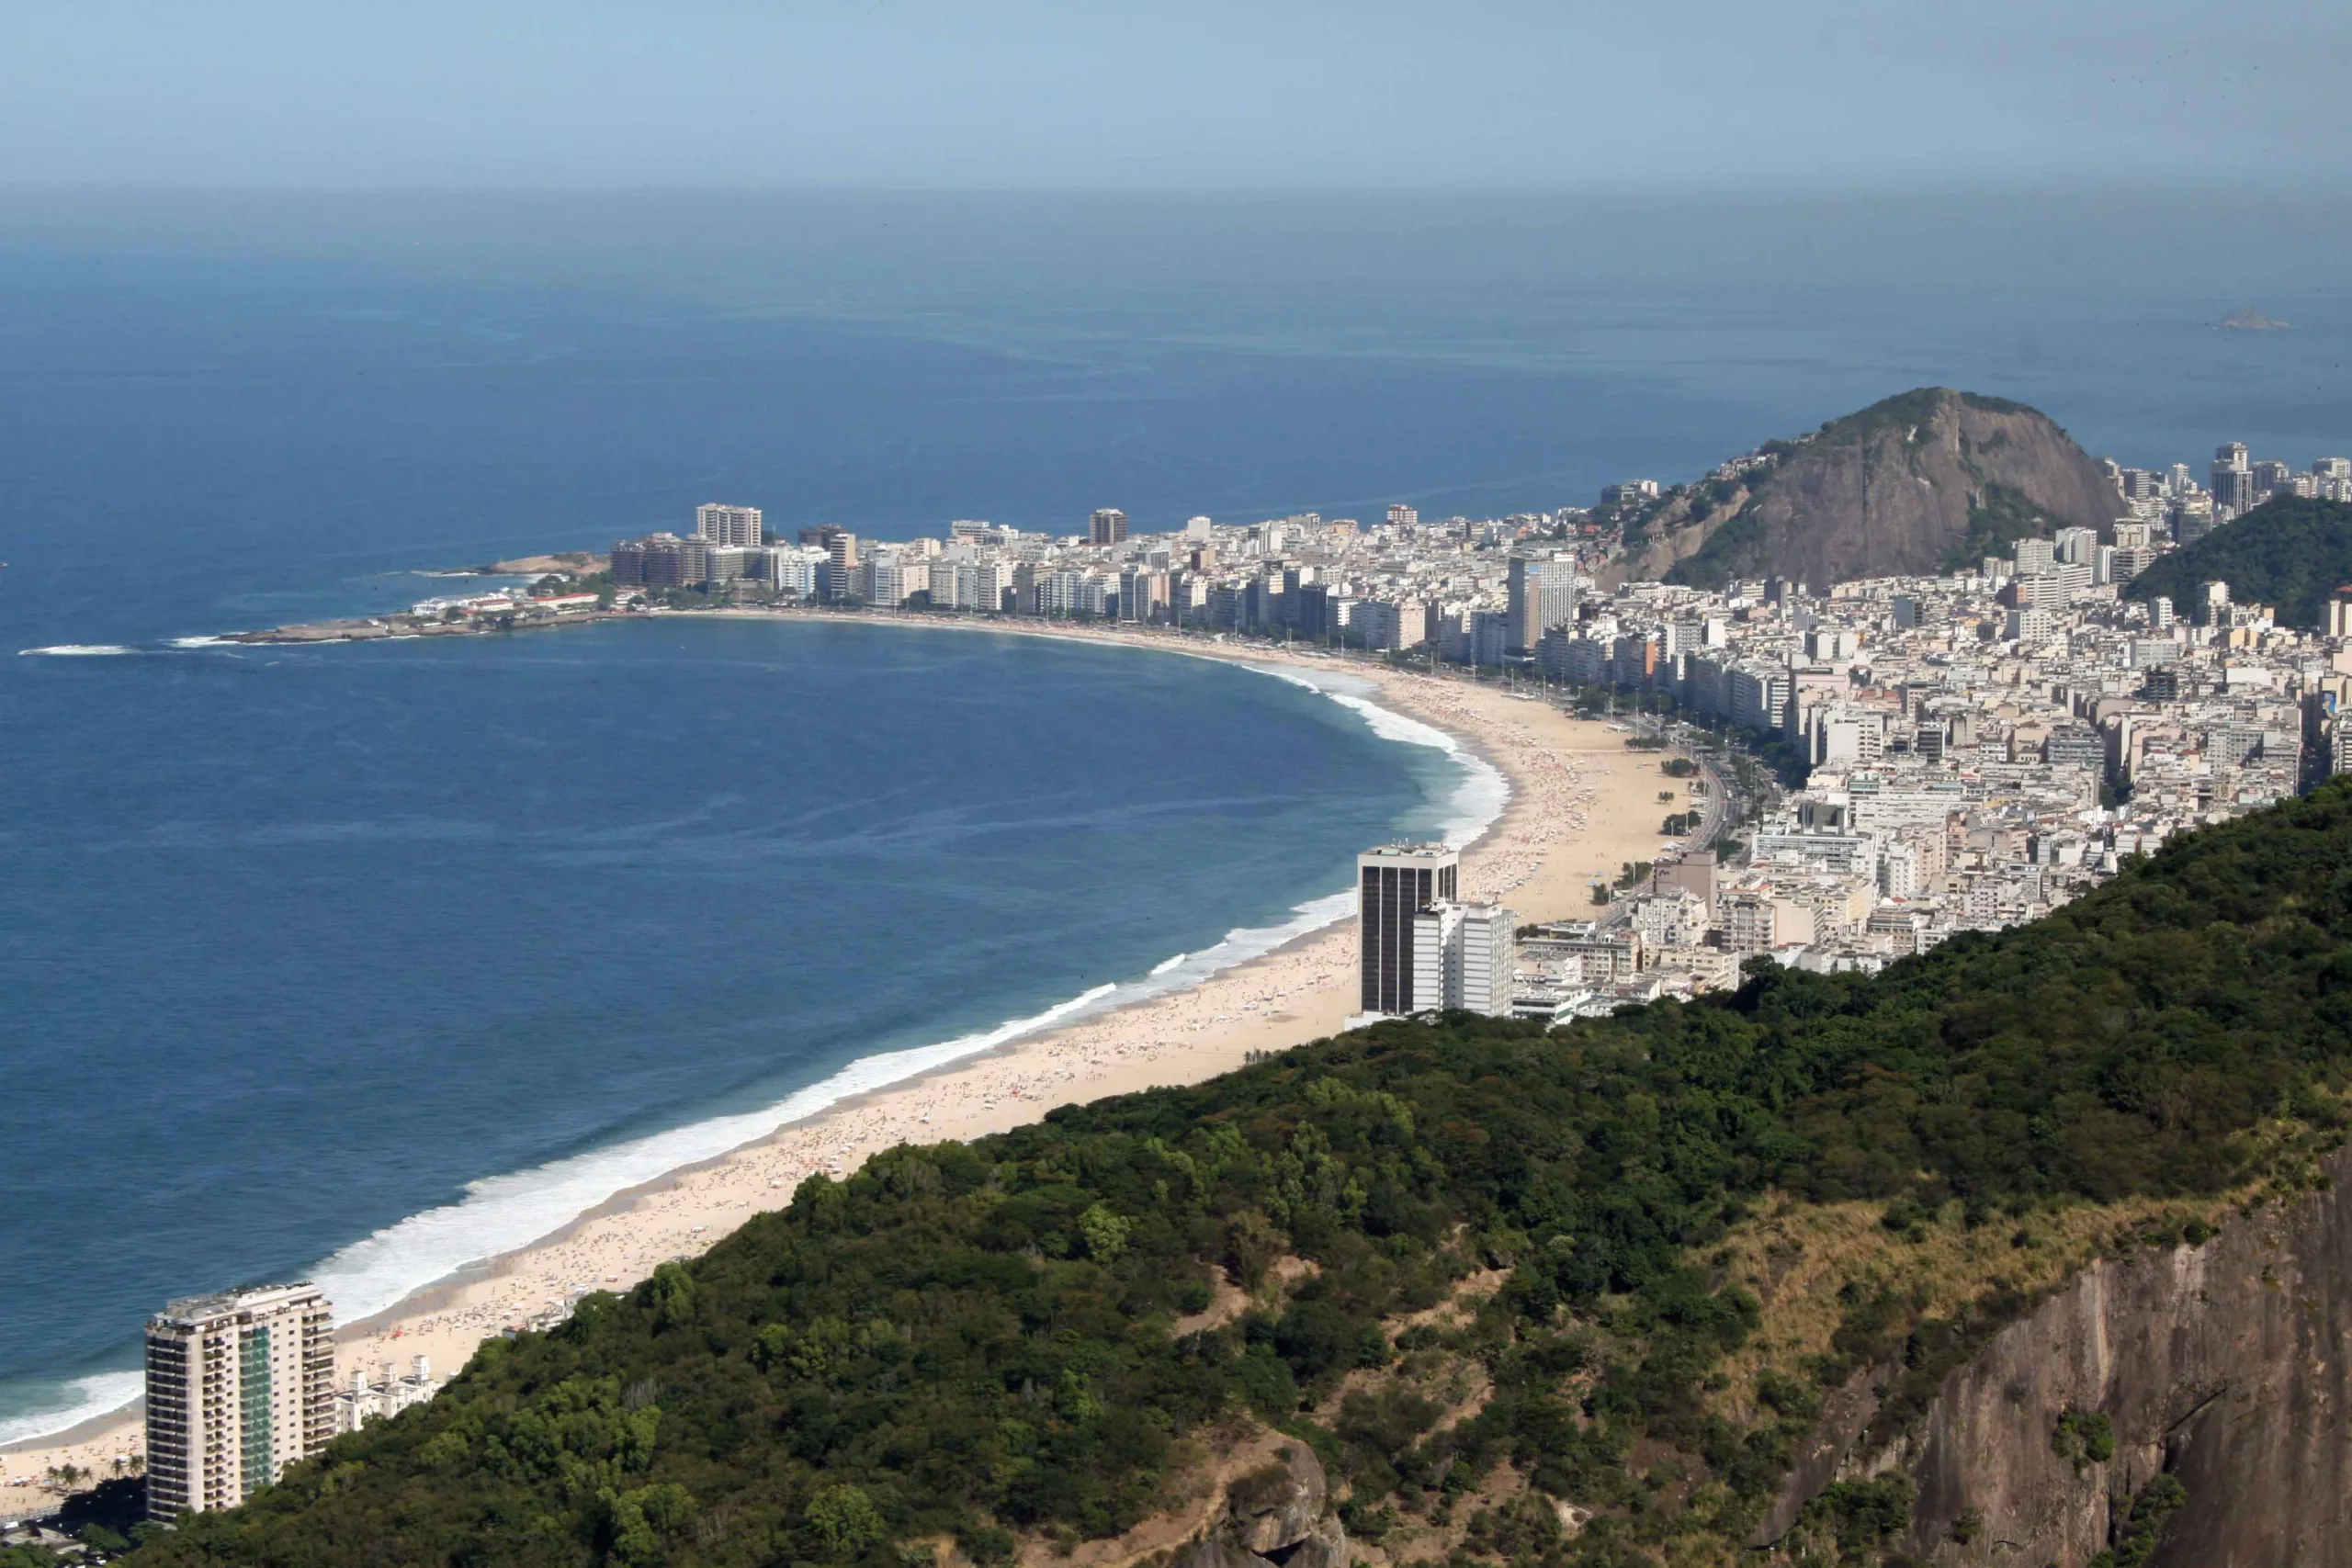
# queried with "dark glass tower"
point(1393, 883)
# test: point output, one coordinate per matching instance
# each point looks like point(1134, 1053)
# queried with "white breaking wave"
point(101, 1394)
point(1477, 801)
point(1239, 946)
point(115, 650)
point(1481, 795)
point(503, 1214)
point(500, 1214)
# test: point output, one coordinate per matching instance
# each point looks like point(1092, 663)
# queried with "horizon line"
point(1870, 189)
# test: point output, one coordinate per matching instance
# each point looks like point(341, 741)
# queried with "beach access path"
point(1581, 806)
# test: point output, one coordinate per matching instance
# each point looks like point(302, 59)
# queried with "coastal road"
point(1718, 807)
point(1716, 811)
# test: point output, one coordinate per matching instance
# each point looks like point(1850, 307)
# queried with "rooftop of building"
point(189, 1310)
point(1402, 850)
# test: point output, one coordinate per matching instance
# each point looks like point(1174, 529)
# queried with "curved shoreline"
point(1300, 989)
point(107, 1409)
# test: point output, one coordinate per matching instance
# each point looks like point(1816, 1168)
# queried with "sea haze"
point(299, 944)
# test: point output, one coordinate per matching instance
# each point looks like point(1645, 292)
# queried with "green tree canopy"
point(973, 1340)
point(2291, 553)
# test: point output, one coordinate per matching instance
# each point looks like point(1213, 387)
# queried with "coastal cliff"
point(1922, 482)
point(2221, 1365)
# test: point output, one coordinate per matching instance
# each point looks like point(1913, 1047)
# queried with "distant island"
point(2250, 320)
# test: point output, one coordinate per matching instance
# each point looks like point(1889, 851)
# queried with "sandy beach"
point(1582, 805)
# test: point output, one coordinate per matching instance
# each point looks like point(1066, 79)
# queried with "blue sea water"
point(302, 942)
point(371, 959)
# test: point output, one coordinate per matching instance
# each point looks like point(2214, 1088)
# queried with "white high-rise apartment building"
point(729, 524)
point(1463, 957)
point(1489, 943)
point(883, 580)
point(2077, 546)
point(239, 1386)
point(840, 579)
point(1437, 956)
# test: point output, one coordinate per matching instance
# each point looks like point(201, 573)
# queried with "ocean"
point(367, 961)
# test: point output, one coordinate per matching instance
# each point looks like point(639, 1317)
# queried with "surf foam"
point(1476, 802)
point(500, 1214)
point(102, 1393)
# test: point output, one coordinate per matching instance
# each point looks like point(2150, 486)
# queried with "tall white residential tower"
point(239, 1386)
point(729, 524)
point(1465, 957)
point(1543, 596)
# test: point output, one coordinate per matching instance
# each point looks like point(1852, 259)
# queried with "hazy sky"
point(1202, 93)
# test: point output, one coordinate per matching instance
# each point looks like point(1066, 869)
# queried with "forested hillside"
point(2291, 553)
point(1484, 1270)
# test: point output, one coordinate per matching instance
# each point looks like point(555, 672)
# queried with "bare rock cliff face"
point(1912, 485)
point(2228, 1366)
point(1281, 1517)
